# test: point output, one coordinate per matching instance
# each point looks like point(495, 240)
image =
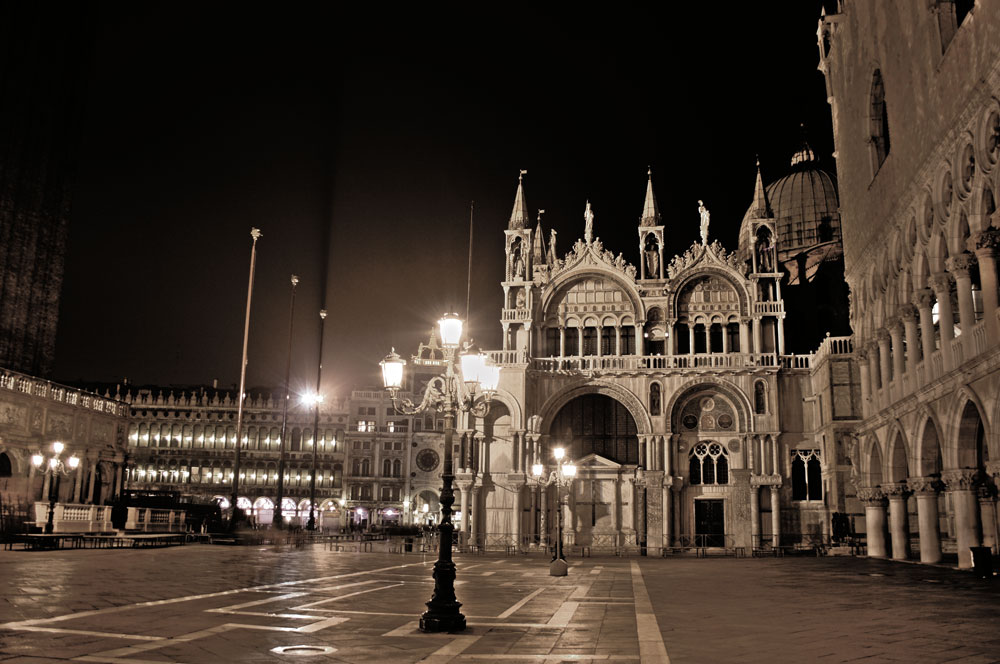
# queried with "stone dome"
point(805, 206)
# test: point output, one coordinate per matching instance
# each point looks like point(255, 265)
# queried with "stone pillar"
point(533, 512)
point(757, 346)
point(866, 395)
point(987, 244)
point(959, 266)
point(874, 501)
point(476, 534)
point(515, 484)
point(775, 514)
point(744, 338)
point(898, 523)
point(463, 487)
point(600, 340)
point(926, 490)
point(898, 358)
point(118, 481)
point(779, 325)
point(725, 339)
point(960, 483)
point(946, 318)
point(690, 338)
point(616, 509)
point(988, 516)
point(75, 496)
point(46, 486)
point(667, 511)
point(908, 314)
point(755, 511)
point(618, 339)
point(628, 507)
point(653, 480)
point(874, 377)
point(562, 341)
point(640, 343)
point(543, 529)
point(884, 358)
point(924, 300)
point(89, 500)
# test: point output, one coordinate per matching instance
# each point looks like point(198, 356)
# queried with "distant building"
point(914, 91)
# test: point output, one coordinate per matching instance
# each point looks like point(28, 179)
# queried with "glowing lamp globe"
point(490, 378)
point(74, 461)
point(537, 470)
point(559, 453)
point(392, 370)
point(37, 460)
point(450, 327)
point(569, 470)
point(473, 368)
point(58, 447)
point(54, 463)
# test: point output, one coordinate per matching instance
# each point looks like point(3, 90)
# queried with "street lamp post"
point(278, 518)
point(317, 400)
point(447, 394)
point(54, 469)
point(562, 476)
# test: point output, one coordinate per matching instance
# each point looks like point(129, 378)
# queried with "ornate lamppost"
point(317, 399)
point(54, 470)
point(562, 476)
point(447, 394)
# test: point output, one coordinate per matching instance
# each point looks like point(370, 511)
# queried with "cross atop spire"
point(519, 216)
point(804, 154)
point(650, 210)
point(761, 207)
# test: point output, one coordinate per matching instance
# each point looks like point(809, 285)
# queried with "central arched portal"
point(596, 424)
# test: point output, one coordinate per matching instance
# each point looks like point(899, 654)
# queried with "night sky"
point(356, 142)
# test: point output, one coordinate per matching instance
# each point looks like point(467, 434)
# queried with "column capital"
point(871, 496)
point(925, 486)
point(993, 468)
point(987, 243)
point(960, 264)
point(940, 282)
point(897, 491)
point(893, 324)
point(923, 298)
point(882, 334)
point(861, 353)
point(908, 313)
point(960, 479)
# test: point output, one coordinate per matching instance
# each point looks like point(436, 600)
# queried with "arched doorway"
point(595, 424)
point(427, 508)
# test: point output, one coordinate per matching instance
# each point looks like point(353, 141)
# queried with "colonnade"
point(887, 517)
point(83, 482)
point(908, 337)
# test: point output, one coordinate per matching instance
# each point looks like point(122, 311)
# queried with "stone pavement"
point(201, 603)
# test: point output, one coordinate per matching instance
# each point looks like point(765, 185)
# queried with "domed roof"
point(805, 206)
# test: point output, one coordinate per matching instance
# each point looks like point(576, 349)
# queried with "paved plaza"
point(201, 604)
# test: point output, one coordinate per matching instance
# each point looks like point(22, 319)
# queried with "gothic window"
point(708, 463)
point(654, 399)
point(759, 398)
point(628, 340)
point(879, 120)
point(807, 476)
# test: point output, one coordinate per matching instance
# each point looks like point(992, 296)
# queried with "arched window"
point(759, 398)
point(397, 468)
point(708, 463)
point(296, 440)
point(338, 474)
point(5, 468)
point(807, 476)
point(654, 399)
point(366, 467)
point(879, 120)
point(356, 467)
point(387, 468)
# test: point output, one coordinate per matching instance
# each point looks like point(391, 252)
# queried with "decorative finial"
point(295, 280)
point(649, 171)
point(540, 213)
point(521, 176)
point(255, 233)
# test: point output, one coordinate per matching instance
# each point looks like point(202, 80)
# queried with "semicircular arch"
point(632, 403)
point(562, 283)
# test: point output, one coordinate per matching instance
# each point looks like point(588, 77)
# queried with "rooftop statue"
point(588, 231)
point(704, 221)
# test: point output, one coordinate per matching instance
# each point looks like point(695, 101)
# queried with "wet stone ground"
point(200, 604)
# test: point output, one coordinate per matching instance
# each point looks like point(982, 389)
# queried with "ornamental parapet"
point(961, 479)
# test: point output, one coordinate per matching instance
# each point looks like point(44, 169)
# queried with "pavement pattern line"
point(563, 616)
point(450, 651)
point(652, 650)
point(524, 600)
point(340, 597)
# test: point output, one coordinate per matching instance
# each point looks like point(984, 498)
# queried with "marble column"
point(895, 326)
point(961, 484)
point(463, 487)
point(898, 522)
point(987, 245)
point(543, 529)
point(866, 395)
point(941, 284)
point(959, 266)
point(516, 485)
point(533, 521)
point(908, 314)
point(668, 511)
point(691, 338)
point(89, 500)
point(75, 496)
point(988, 516)
point(874, 501)
point(924, 299)
point(477, 536)
point(884, 357)
point(640, 344)
point(754, 512)
point(874, 376)
point(926, 490)
point(776, 514)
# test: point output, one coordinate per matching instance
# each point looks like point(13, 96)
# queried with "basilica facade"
point(669, 385)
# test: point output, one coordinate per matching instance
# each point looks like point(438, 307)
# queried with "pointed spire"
point(538, 246)
point(519, 216)
point(650, 210)
point(761, 207)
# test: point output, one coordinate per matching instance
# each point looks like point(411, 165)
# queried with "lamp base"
point(558, 567)
point(442, 618)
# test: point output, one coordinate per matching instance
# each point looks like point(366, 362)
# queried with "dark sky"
point(356, 141)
